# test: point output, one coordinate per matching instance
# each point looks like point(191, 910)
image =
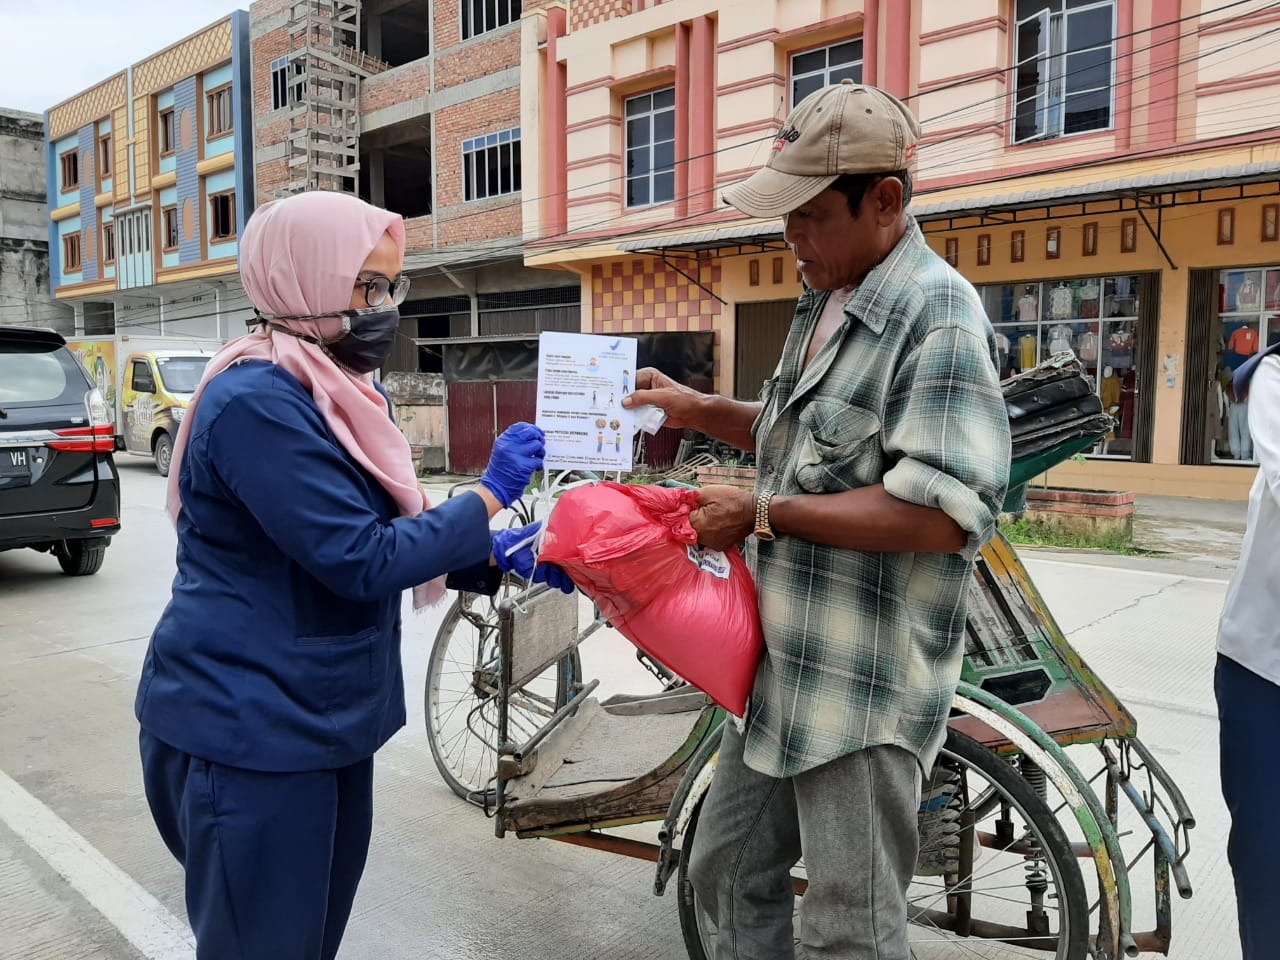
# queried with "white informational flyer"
point(582, 379)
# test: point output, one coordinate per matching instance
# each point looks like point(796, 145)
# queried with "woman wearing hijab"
point(274, 672)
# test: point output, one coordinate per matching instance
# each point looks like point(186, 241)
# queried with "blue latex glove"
point(521, 562)
point(517, 456)
point(553, 576)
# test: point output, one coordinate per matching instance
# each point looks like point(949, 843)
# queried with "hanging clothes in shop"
point(1061, 302)
point(1244, 342)
point(1128, 396)
point(1089, 345)
point(1248, 297)
point(1027, 350)
point(1060, 340)
point(1089, 301)
point(1110, 394)
point(1028, 307)
point(1217, 411)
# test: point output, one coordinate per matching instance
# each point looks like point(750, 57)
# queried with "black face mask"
point(366, 339)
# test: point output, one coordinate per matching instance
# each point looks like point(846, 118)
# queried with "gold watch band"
point(764, 531)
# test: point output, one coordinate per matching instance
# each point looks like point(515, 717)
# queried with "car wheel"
point(163, 452)
point(80, 558)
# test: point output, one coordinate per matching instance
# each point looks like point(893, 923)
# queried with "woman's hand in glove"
point(522, 561)
point(553, 576)
point(517, 456)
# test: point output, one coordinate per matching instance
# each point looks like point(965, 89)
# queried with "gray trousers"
point(854, 822)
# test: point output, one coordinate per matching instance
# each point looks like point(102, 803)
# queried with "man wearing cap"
point(882, 451)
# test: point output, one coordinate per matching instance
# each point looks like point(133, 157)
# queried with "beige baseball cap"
point(844, 128)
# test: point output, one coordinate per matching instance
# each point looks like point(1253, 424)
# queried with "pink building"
point(1105, 171)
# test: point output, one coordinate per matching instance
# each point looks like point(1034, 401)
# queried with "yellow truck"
point(147, 383)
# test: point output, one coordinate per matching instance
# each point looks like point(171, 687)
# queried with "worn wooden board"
point(542, 629)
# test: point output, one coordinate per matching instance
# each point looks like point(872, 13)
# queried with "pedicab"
point(1034, 820)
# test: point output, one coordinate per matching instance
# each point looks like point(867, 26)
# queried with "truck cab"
point(157, 389)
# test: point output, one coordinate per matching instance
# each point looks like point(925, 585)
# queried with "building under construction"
point(415, 107)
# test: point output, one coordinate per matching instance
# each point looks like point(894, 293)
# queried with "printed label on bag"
point(710, 561)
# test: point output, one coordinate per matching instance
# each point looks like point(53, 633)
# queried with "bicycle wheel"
point(460, 699)
point(1016, 894)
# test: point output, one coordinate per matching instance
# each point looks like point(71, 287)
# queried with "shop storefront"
point(1104, 321)
point(1234, 313)
point(1248, 321)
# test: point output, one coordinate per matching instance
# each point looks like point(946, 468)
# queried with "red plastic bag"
point(631, 550)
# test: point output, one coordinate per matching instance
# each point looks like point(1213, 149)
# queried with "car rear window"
point(34, 376)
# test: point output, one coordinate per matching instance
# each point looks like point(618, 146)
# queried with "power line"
point(993, 100)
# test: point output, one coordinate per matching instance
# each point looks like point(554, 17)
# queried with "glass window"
point(1064, 73)
point(168, 137)
point(1093, 318)
point(481, 16)
point(279, 83)
point(179, 374)
point(222, 219)
point(1248, 321)
point(491, 165)
point(651, 148)
point(815, 69)
point(27, 376)
point(170, 225)
point(221, 120)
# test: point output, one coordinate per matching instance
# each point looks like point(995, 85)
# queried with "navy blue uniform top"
point(280, 649)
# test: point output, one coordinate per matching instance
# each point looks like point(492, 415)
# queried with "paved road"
point(82, 873)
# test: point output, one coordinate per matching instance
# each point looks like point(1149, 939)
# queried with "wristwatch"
point(763, 530)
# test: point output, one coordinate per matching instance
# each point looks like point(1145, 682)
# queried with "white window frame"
point(286, 89)
point(475, 154)
point(1050, 95)
point(494, 14)
point(827, 69)
point(652, 174)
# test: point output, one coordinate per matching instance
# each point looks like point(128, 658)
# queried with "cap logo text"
point(785, 135)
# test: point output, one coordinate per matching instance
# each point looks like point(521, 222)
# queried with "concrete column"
point(374, 26)
point(78, 310)
point(554, 133)
point(683, 134)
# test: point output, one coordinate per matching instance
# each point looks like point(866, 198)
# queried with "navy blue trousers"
point(272, 860)
point(1249, 720)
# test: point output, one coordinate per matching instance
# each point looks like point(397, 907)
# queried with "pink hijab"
point(301, 256)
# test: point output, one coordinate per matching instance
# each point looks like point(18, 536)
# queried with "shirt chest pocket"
point(839, 447)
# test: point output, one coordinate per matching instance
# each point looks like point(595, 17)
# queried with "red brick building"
point(415, 106)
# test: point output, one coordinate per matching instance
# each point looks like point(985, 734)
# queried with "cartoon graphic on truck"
point(149, 381)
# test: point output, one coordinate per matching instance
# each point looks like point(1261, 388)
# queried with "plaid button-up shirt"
point(864, 649)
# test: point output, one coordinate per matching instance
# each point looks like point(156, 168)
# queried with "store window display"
point(1092, 318)
point(1249, 321)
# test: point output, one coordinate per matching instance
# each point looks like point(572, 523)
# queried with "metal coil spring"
point(1037, 876)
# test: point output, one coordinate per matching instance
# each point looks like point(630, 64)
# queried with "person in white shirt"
point(1247, 681)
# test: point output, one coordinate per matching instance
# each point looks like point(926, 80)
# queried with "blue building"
point(150, 184)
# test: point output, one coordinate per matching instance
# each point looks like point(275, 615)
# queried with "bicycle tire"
point(471, 778)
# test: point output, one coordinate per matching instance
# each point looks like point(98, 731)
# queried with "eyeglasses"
point(378, 288)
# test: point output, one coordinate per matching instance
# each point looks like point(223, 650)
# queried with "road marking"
point(1032, 559)
point(142, 919)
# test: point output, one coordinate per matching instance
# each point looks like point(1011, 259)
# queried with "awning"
point(1001, 203)
point(1139, 187)
point(765, 234)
